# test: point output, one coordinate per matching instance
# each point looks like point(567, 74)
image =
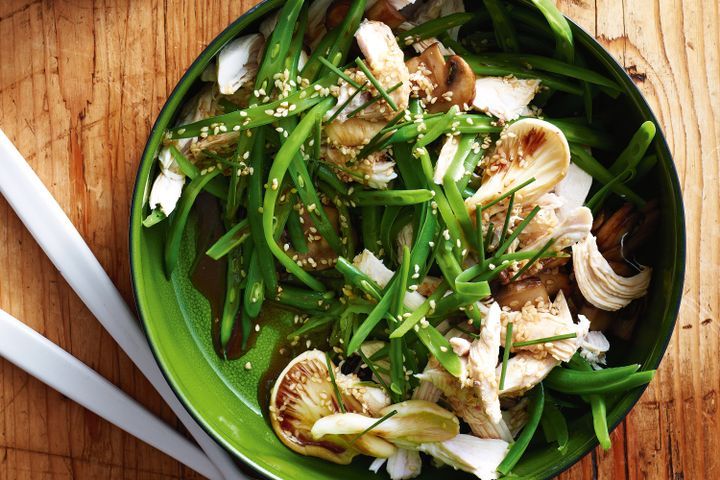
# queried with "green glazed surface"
point(222, 395)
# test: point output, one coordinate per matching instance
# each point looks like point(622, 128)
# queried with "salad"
point(436, 196)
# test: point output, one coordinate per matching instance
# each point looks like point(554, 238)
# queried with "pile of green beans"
point(280, 196)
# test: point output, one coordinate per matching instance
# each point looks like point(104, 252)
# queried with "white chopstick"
point(41, 358)
point(62, 243)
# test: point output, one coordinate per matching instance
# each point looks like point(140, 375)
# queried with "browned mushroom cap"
point(516, 294)
point(556, 281)
point(336, 13)
point(454, 79)
point(383, 11)
point(303, 394)
point(458, 87)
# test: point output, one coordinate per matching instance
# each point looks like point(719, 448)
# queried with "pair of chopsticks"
point(41, 358)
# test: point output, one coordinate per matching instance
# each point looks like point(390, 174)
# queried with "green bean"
point(339, 40)
point(408, 133)
point(346, 227)
point(295, 233)
point(255, 116)
point(635, 151)
point(358, 279)
point(566, 379)
point(447, 214)
point(311, 325)
point(255, 217)
point(180, 217)
point(324, 174)
point(153, 218)
point(589, 164)
point(309, 197)
point(399, 306)
point(629, 382)
point(539, 62)
point(434, 132)
point(500, 69)
point(440, 348)
point(370, 221)
point(596, 201)
point(369, 198)
point(554, 425)
point(564, 46)
point(304, 299)
point(645, 165)
point(216, 187)
point(377, 314)
point(233, 294)
point(388, 219)
point(277, 46)
point(534, 259)
point(503, 26)
point(597, 405)
point(232, 239)
point(535, 411)
point(433, 28)
point(279, 166)
point(419, 313)
point(255, 287)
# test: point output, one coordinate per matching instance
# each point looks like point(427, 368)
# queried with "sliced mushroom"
point(554, 281)
point(530, 148)
point(237, 62)
point(599, 284)
point(384, 11)
point(453, 78)
point(336, 13)
point(506, 98)
point(516, 294)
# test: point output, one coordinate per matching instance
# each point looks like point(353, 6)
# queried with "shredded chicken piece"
point(599, 284)
point(506, 98)
point(404, 464)
point(542, 321)
point(524, 371)
point(482, 358)
point(354, 132)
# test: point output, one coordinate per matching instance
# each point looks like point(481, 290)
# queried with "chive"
point(480, 239)
point(346, 102)
point(545, 340)
point(339, 72)
point(401, 291)
point(230, 240)
point(489, 235)
point(376, 84)
point(373, 368)
point(373, 100)
point(374, 425)
point(534, 259)
point(334, 383)
point(368, 198)
point(378, 138)
point(508, 214)
point(517, 231)
point(506, 355)
point(510, 192)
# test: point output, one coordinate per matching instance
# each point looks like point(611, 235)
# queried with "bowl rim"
point(173, 103)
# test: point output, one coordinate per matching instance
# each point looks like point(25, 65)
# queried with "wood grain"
point(81, 82)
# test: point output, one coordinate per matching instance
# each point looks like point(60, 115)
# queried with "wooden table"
point(80, 85)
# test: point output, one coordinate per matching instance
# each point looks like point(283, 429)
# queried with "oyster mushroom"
point(168, 185)
point(238, 61)
point(404, 464)
point(506, 98)
point(415, 422)
point(599, 284)
point(303, 394)
point(530, 148)
point(516, 294)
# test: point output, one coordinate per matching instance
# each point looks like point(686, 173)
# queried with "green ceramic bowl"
point(223, 395)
